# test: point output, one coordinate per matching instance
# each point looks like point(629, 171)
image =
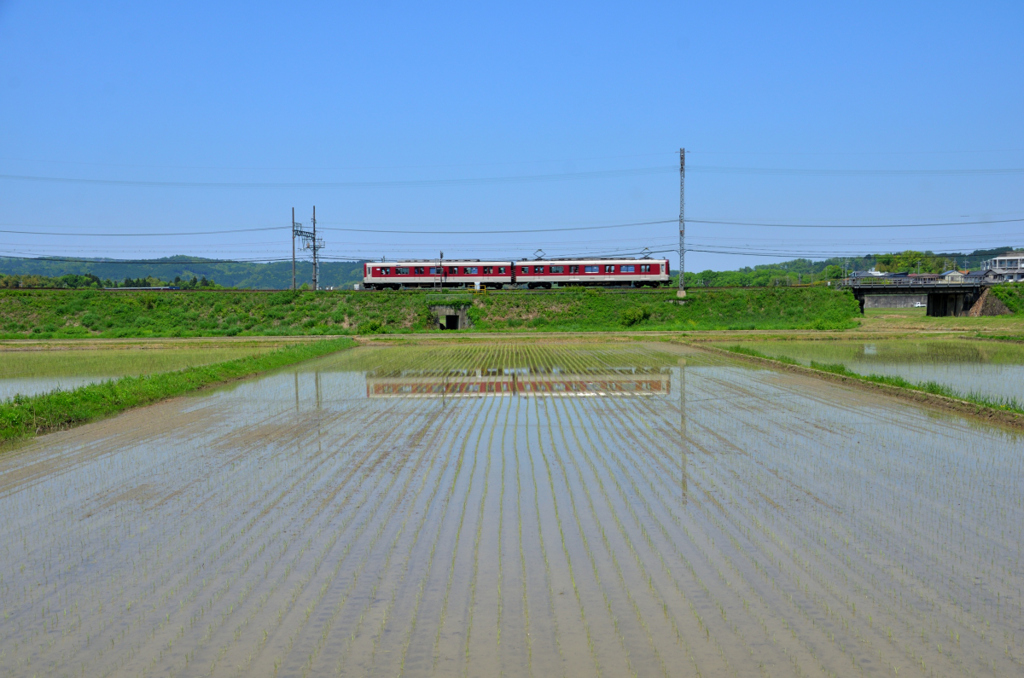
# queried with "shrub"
point(636, 315)
point(371, 327)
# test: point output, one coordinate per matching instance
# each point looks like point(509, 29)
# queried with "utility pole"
point(293, 249)
point(316, 263)
point(682, 223)
point(310, 242)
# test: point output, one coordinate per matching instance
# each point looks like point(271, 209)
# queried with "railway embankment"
point(26, 416)
point(59, 314)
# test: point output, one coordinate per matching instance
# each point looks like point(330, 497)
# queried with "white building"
point(1010, 265)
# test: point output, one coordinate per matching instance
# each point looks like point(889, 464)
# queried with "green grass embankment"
point(25, 416)
point(91, 313)
point(1011, 294)
point(929, 387)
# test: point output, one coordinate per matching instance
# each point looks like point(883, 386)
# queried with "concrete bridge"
point(944, 298)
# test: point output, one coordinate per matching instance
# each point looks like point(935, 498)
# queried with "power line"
point(523, 178)
point(146, 235)
point(930, 225)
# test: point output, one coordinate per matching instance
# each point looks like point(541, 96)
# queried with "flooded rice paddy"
point(29, 372)
point(988, 368)
point(519, 510)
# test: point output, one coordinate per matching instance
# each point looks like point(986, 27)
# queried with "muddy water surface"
point(39, 371)
point(988, 368)
point(521, 510)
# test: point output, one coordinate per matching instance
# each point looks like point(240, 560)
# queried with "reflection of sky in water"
point(1005, 381)
point(35, 385)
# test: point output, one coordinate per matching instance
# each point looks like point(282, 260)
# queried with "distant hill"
point(252, 275)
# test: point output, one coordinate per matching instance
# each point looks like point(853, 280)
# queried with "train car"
point(543, 273)
point(396, 275)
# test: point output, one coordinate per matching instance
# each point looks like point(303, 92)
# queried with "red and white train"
point(535, 274)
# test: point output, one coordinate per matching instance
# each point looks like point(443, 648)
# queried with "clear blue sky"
point(399, 95)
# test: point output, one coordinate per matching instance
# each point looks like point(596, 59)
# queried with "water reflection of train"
point(520, 382)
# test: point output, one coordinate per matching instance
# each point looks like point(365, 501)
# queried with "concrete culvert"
point(451, 318)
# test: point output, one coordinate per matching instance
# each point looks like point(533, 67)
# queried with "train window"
point(590, 269)
point(386, 270)
point(628, 268)
point(401, 271)
point(488, 270)
point(538, 269)
point(526, 269)
point(609, 269)
point(645, 268)
point(419, 270)
point(501, 269)
point(558, 269)
point(435, 270)
point(453, 269)
point(574, 270)
point(472, 270)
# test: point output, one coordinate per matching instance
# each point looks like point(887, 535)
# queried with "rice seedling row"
point(516, 509)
